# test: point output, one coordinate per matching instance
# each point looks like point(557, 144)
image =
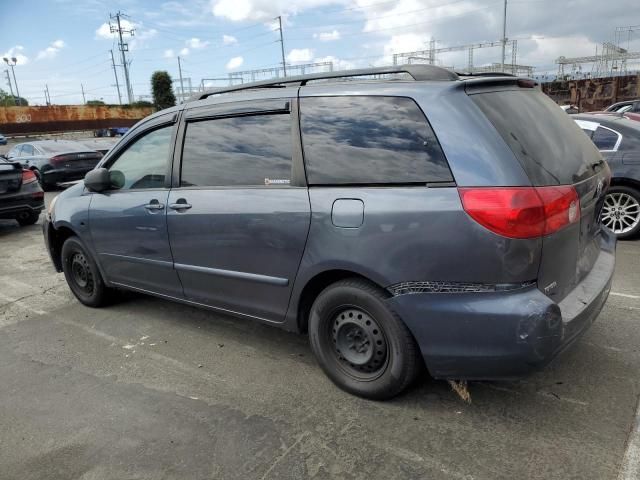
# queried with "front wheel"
point(361, 344)
point(82, 274)
point(621, 211)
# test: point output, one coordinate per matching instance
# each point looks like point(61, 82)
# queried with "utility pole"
point(47, 95)
point(84, 100)
point(504, 35)
point(124, 47)
point(284, 64)
point(115, 74)
point(181, 84)
point(6, 72)
point(13, 63)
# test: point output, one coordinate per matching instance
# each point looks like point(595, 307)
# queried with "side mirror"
point(97, 180)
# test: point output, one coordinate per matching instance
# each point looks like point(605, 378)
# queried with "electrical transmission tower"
point(123, 47)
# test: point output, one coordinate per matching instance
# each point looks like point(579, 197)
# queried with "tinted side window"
point(238, 151)
point(604, 138)
point(369, 140)
point(144, 163)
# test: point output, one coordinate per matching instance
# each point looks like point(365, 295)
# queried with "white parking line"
point(625, 295)
point(631, 462)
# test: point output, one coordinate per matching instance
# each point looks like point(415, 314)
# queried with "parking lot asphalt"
point(147, 389)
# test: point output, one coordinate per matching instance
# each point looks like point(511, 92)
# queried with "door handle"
point(181, 204)
point(154, 205)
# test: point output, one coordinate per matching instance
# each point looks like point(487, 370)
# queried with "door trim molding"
point(149, 261)
point(280, 282)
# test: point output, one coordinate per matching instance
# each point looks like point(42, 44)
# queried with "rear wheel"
point(29, 219)
point(621, 211)
point(82, 274)
point(360, 343)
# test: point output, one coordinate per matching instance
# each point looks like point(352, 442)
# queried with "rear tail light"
point(58, 159)
point(28, 176)
point(522, 212)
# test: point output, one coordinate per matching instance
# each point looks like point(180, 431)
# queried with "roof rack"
point(417, 72)
point(485, 74)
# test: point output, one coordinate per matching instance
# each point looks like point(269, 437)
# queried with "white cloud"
point(15, 52)
point(142, 34)
point(234, 63)
point(300, 55)
point(51, 51)
point(169, 53)
point(327, 36)
point(196, 43)
point(229, 39)
point(184, 52)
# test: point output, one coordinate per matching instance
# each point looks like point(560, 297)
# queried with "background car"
point(55, 161)
point(3, 139)
point(21, 197)
point(632, 106)
point(618, 139)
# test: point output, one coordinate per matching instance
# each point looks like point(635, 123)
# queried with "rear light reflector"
point(522, 212)
point(28, 176)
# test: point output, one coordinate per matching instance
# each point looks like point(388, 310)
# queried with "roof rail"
point(485, 74)
point(417, 72)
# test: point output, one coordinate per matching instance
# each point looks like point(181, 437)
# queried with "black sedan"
point(55, 161)
point(21, 197)
point(618, 139)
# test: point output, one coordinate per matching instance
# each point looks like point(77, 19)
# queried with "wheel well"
point(625, 182)
point(57, 238)
point(316, 285)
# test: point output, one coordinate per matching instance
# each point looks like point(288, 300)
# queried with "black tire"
point(608, 211)
point(82, 274)
point(346, 320)
point(29, 220)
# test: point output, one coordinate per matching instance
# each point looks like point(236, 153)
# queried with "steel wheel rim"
point(620, 212)
point(359, 344)
point(81, 273)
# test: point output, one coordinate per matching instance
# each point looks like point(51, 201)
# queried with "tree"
point(142, 103)
point(162, 89)
point(7, 100)
point(95, 102)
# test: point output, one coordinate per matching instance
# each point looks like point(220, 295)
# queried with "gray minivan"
point(405, 217)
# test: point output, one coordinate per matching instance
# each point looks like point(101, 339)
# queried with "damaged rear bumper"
point(503, 335)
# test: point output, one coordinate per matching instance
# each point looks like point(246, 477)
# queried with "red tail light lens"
point(522, 212)
point(28, 176)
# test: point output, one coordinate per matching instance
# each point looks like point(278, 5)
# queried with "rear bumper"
point(488, 336)
point(52, 177)
point(16, 205)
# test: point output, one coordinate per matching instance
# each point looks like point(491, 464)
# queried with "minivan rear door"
point(238, 218)
point(552, 150)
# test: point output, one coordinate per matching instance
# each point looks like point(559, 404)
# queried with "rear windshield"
point(546, 141)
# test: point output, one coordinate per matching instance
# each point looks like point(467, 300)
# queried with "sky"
point(64, 44)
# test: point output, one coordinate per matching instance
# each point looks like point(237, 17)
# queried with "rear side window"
point(369, 140)
point(605, 139)
point(238, 151)
point(545, 140)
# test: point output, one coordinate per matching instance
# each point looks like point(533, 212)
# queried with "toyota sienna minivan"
point(404, 217)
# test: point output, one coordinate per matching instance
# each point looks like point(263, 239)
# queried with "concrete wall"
point(59, 118)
